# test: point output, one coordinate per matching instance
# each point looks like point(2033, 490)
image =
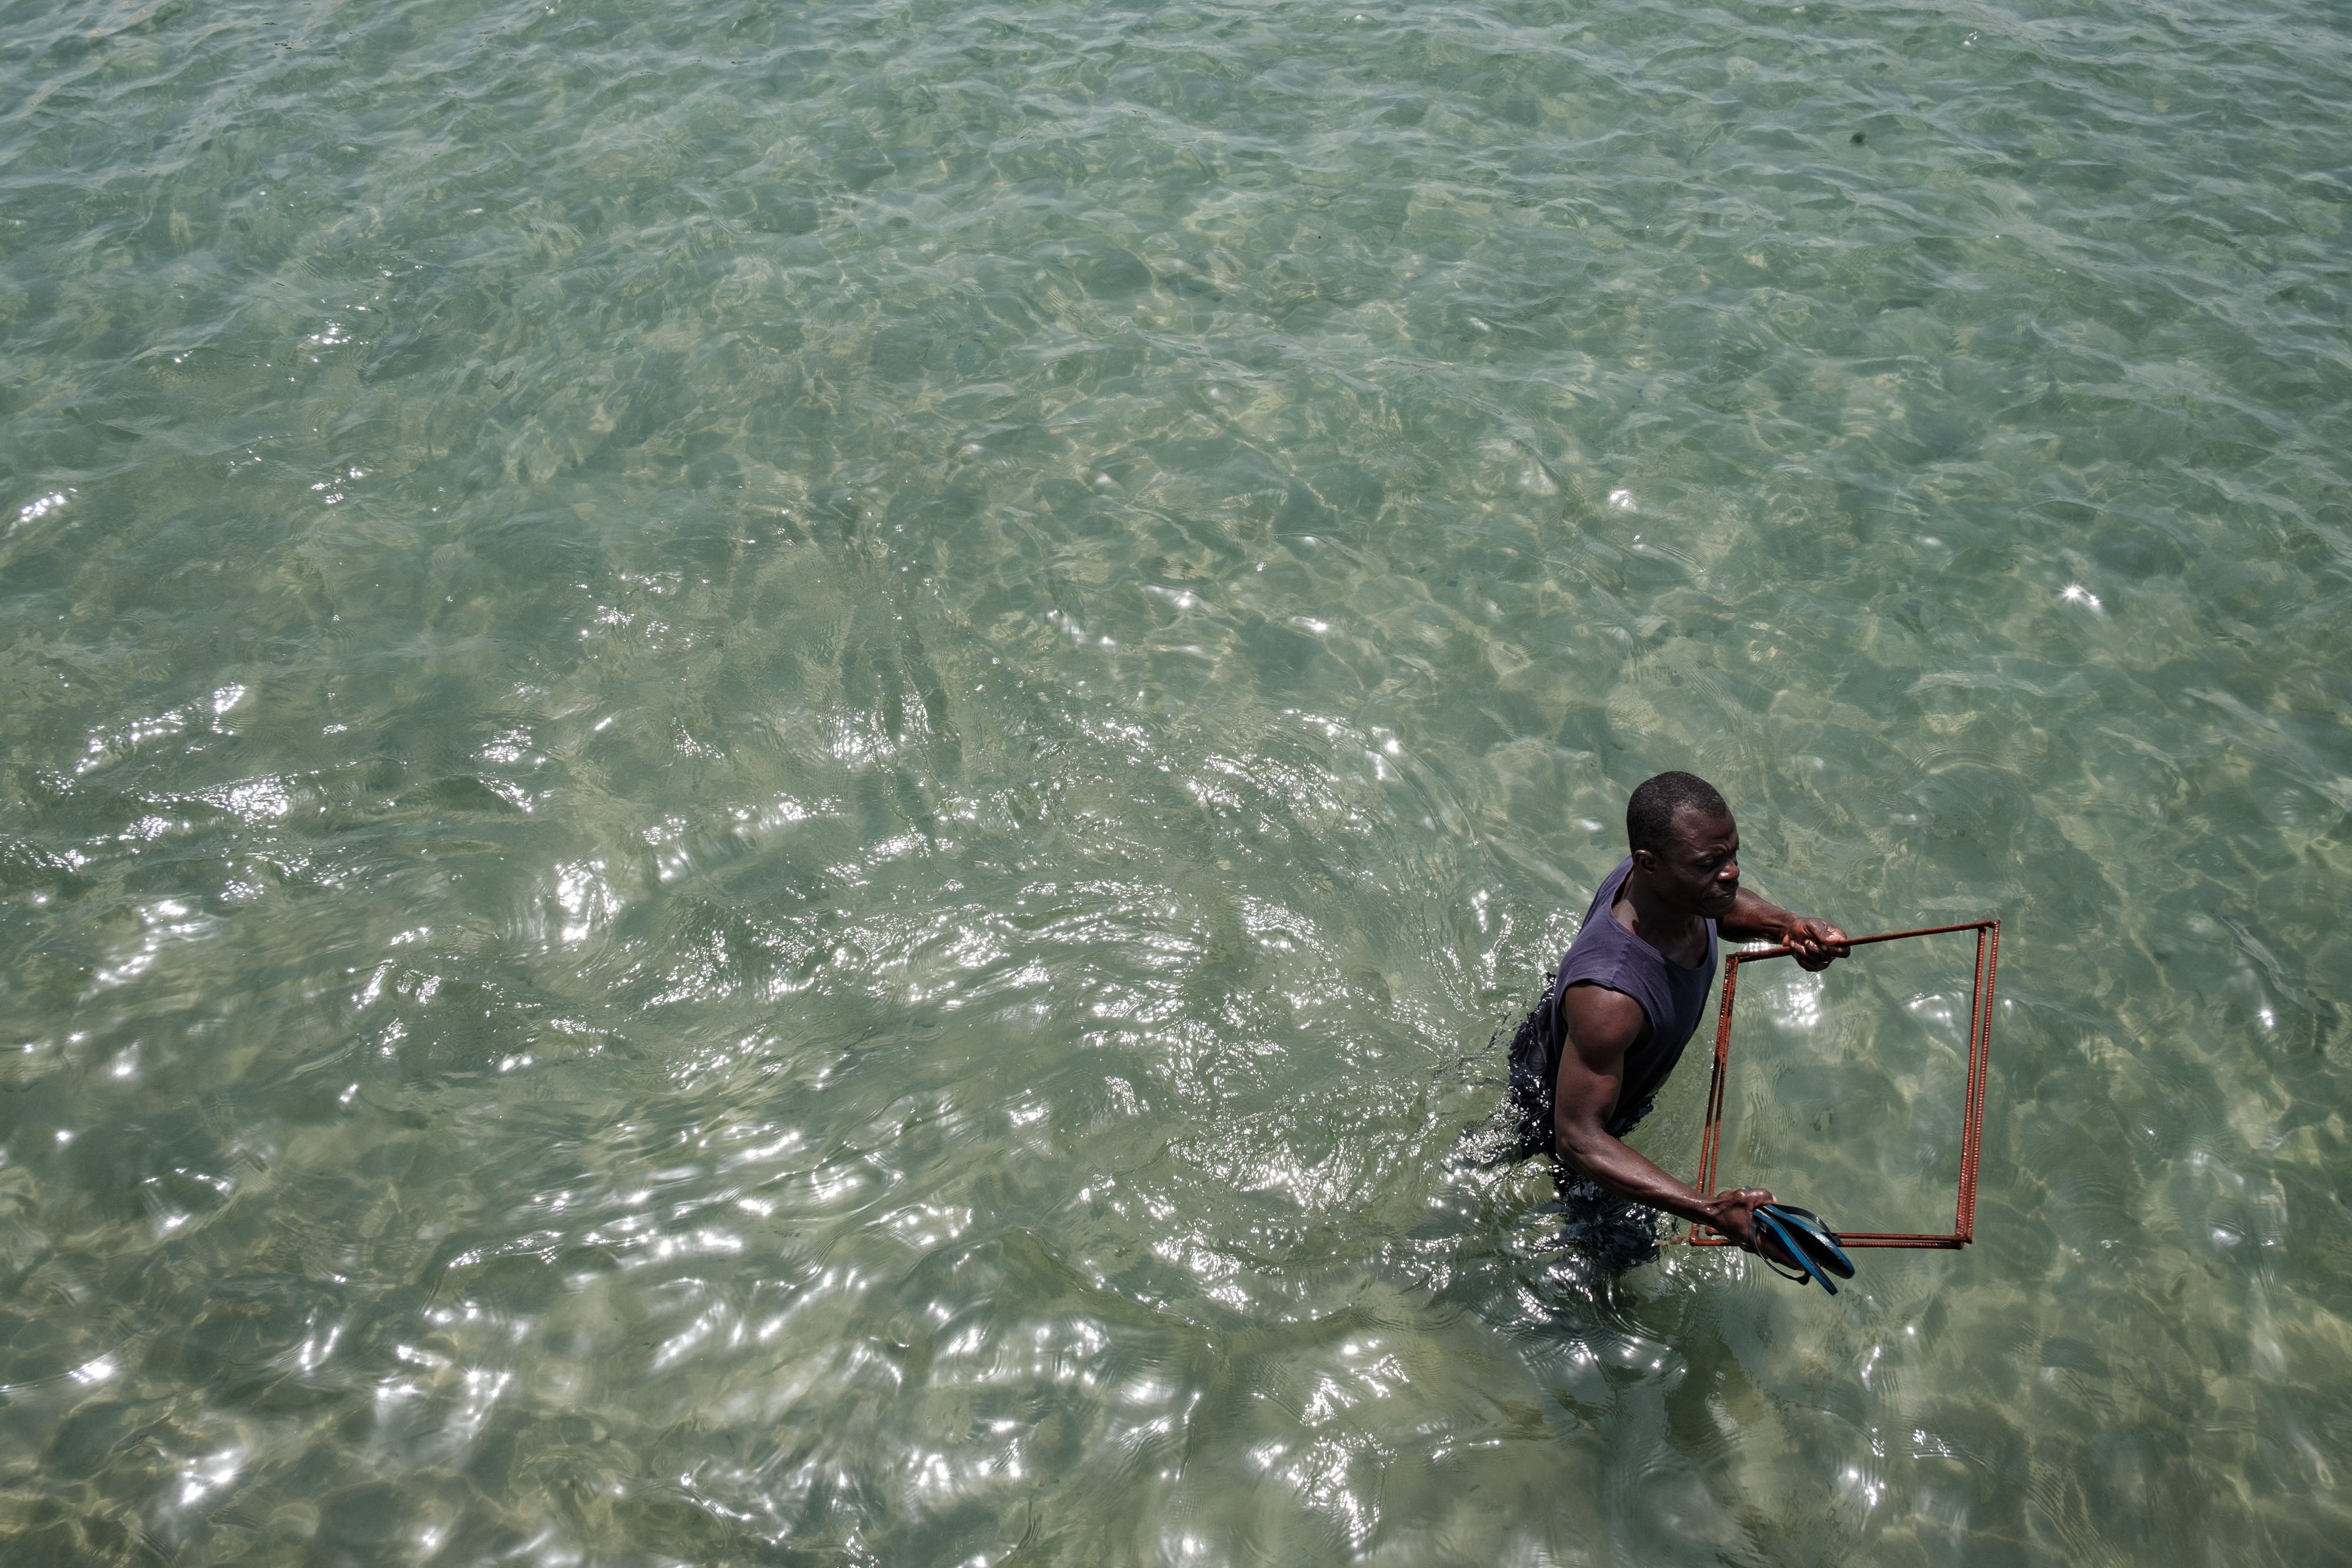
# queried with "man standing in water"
point(1627, 995)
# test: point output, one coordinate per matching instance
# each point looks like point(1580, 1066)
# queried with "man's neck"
point(1673, 933)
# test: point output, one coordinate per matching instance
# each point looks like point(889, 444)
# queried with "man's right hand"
point(1735, 1217)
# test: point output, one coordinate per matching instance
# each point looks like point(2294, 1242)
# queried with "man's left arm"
point(1813, 942)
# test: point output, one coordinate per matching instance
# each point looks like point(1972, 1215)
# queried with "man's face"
point(1698, 870)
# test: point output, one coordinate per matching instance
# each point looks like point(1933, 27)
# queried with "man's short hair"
point(1650, 814)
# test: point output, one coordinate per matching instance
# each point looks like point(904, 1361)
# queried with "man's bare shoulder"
point(1601, 1022)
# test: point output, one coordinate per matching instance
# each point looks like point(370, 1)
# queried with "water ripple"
point(771, 776)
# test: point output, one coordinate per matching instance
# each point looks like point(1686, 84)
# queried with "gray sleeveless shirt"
point(1605, 954)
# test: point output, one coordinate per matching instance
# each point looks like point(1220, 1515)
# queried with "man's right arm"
point(1602, 1026)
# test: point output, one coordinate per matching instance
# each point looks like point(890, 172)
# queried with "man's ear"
point(1646, 862)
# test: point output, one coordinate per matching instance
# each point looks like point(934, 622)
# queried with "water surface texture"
point(768, 773)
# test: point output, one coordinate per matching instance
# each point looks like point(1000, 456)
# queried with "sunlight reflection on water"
point(773, 779)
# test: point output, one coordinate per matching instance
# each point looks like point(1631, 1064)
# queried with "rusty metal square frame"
point(1964, 1220)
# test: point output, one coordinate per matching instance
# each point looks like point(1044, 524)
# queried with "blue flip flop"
point(1814, 1245)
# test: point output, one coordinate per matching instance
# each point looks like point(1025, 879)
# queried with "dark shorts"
point(1615, 1231)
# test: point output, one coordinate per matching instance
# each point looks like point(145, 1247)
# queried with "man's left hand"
point(1815, 944)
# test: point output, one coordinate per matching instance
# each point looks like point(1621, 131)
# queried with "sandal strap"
point(1781, 1234)
point(1819, 1242)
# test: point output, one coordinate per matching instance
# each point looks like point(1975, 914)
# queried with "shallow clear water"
point(771, 772)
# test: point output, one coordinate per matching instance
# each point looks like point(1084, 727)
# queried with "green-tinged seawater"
point(769, 772)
